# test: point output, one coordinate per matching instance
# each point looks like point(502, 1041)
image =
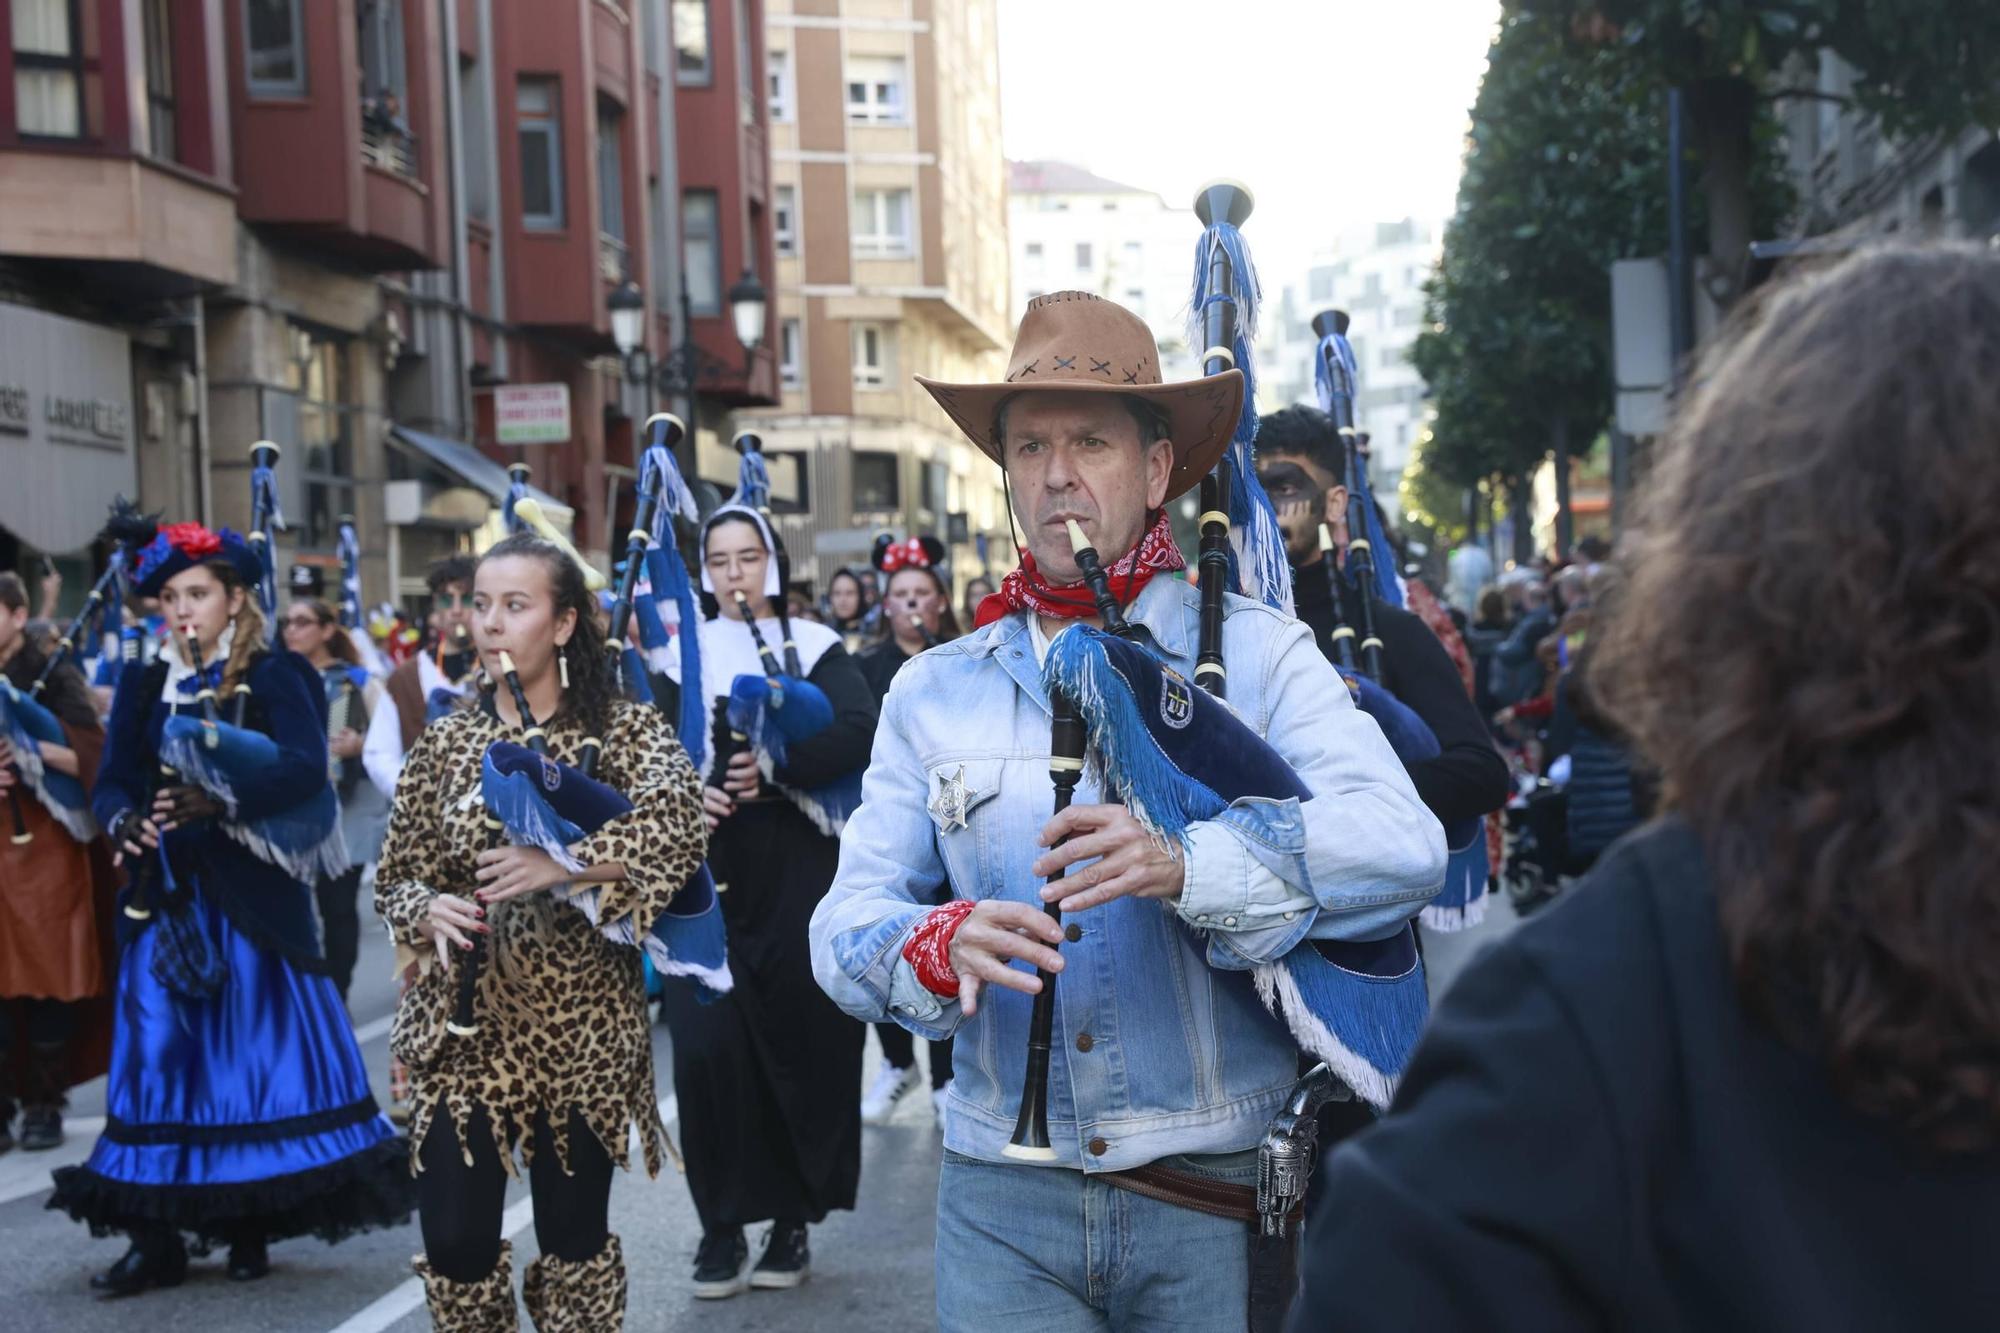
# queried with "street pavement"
point(871, 1267)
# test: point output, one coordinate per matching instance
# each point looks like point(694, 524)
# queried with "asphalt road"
point(871, 1268)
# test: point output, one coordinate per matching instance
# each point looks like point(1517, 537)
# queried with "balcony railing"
point(386, 142)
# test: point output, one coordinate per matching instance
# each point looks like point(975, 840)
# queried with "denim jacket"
point(1162, 1046)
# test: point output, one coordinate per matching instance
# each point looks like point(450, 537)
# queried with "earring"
point(562, 666)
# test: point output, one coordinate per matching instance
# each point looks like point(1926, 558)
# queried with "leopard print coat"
point(562, 1009)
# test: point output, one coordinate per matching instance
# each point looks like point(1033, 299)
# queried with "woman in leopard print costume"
point(561, 1065)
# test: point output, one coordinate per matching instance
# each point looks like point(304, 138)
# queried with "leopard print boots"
point(485, 1306)
point(563, 1296)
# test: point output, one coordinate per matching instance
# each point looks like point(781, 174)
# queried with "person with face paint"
point(917, 609)
point(556, 1073)
point(765, 1074)
point(238, 1106)
point(1299, 462)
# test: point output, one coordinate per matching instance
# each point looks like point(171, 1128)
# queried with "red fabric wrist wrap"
point(928, 950)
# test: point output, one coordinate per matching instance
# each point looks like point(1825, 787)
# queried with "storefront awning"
point(475, 469)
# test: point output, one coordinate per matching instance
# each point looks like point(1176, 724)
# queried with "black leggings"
point(341, 925)
point(459, 1206)
point(900, 1049)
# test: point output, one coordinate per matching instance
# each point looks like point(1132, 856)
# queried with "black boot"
point(41, 1112)
point(6, 1125)
point(249, 1259)
point(786, 1262)
point(156, 1259)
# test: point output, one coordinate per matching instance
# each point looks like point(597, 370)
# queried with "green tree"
point(1920, 66)
point(1564, 173)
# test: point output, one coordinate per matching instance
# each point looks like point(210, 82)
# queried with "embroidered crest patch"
point(1176, 699)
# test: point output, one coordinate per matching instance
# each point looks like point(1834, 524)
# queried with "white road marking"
point(408, 1297)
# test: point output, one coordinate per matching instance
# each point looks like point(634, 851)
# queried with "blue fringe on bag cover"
point(23, 724)
point(225, 760)
point(550, 805)
point(1177, 755)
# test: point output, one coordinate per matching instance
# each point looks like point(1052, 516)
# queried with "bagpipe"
point(771, 711)
point(1462, 901)
point(533, 800)
point(1175, 754)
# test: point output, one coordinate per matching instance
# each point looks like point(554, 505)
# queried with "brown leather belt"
point(1184, 1189)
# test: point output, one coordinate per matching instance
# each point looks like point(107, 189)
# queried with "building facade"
point(889, 213)
point(1376, 274)
point(379, 232)
point(1071, 230)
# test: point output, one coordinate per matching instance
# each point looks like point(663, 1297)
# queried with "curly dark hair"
point(593, 677)
point(1807, 644)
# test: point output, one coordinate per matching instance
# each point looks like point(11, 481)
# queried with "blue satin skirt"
point(244, 1113)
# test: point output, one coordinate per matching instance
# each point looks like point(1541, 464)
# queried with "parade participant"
point(312, 630)
point(845, 608)
point(1299, 461)
point(428, 684)
point(1788, 978)
point(976, 591)
point(559, 1068)
point(1164, 1054)
point(238, 1107)
point(765, 1073)
point(919, 614)
point(56, 948)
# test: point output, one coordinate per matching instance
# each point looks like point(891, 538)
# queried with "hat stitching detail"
point(1099, 367)
point(1131, 376)
point(1065, 363)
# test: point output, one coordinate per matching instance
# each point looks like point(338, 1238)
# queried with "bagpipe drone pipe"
point(770, 711)
point(1461, 903)
point(534, 800)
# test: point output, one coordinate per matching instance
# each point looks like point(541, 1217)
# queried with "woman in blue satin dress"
point(238, 1107)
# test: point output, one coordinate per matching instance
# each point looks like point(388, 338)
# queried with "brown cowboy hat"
point(1078, 342)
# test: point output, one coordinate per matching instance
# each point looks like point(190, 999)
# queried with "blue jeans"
point(1056, 1251)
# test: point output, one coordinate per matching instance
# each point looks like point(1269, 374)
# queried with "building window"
point(789, 373)
point(317, 378)
point(538, 104)
point(386, 141)
point(871, 356)
point(875, 90)
point(701, 250)
point(784, 221)
point(158, 20)
point(477, 141)
point(1084, 255)
point(275, 39)
point(877, 484)
point(692, 64)
point(881, 223)
point(778, 78)
point(48, 70)
point(611, 190)
point(746, 74)
point(1034, 250)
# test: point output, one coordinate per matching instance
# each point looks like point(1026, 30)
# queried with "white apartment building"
point(1070, 230)
point(1376, 274)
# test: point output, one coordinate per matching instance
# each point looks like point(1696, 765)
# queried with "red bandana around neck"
point(1026, 590)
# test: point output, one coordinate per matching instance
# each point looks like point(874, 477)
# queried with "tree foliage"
point(1920, 66)
point(1564, 173)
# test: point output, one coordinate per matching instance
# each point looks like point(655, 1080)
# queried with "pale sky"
point(1333, 112)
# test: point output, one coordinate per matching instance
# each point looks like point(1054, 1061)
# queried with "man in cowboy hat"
point(1164, 1056)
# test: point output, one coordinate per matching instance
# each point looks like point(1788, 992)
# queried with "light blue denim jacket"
point(1161, 1044)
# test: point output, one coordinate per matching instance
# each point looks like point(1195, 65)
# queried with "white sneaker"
point(939, 1096)
point(891, 1085)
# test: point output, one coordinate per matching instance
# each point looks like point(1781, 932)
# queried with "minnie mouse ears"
point(891, 555)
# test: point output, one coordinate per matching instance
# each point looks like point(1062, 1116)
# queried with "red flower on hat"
point(192, 540)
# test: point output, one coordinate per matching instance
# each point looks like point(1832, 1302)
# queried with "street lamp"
point(679, 372)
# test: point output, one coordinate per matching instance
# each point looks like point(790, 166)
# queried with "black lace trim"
point(368, 1190)
point(264, 1131)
